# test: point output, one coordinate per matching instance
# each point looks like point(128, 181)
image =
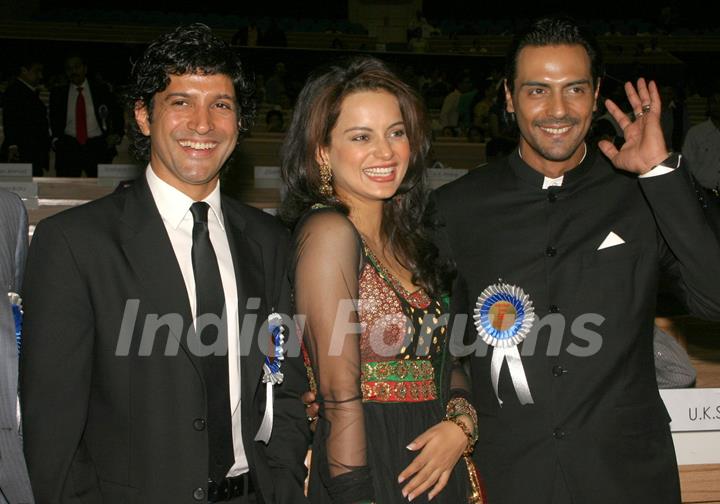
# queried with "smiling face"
point(553, 100)
point(369, 150)
point(193, 131)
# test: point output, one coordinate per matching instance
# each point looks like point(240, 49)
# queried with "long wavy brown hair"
point(404, 226)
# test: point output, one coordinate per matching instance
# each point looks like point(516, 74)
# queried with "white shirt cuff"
point(660, 170)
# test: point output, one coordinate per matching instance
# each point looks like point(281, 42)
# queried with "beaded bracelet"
point(459, 406)
point(471, 440)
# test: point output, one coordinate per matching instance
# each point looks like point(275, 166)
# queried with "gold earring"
point(325, 178)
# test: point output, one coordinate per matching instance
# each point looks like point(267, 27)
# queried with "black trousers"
point(71, 158)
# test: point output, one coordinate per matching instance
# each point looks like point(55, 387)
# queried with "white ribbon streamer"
point(263, 433)
point(517, 373)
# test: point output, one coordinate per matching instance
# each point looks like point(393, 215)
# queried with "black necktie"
point(211, 300)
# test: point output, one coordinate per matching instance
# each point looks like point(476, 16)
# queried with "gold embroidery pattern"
point(398, 381)
point(394, 391)
point(398, 370)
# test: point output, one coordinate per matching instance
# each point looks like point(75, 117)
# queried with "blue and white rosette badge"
point(504, 315)
point(272, 374)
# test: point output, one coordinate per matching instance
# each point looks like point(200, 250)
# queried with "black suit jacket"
point(597, 415)
point(109, 417)
point(108, 113)
point(25, 123)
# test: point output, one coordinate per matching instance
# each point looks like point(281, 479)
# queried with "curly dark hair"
point(549, 31)
point(316, 112)
point(191, 49)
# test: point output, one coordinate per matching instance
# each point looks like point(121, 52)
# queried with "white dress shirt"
point(174, 208)
point(93, 128)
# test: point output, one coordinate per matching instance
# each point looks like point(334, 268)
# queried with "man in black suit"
point(87, 123)
point(558, 249)
point(25, 120)
point(144, 314)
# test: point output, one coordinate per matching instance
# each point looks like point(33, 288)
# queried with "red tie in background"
point(80, 118)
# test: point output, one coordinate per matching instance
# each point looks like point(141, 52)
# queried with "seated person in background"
point(475, 134)
point(502, 132)
point(673, 368)
point(448, 131)
point(702, 146)
point(275, 121)
point(482, 106)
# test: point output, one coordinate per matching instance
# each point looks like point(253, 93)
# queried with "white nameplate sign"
point(16, 171)
point(440, 176)
point(693, 409)
point(111, 174)
point(28, 191)
point(267, 176)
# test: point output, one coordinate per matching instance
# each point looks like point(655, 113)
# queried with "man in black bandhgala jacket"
point(559, 248)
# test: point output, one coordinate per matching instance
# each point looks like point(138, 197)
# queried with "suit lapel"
point(249, 268)
point(151, 256)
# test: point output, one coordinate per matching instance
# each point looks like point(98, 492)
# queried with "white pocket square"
point(611, 240)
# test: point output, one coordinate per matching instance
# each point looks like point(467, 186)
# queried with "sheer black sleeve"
point(328, 258)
